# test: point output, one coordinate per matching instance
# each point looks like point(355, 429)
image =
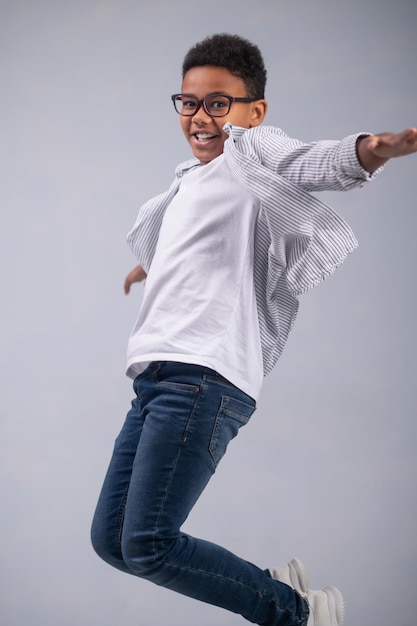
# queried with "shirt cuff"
point(349, 161)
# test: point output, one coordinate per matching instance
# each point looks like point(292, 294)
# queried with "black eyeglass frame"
point(202, 103)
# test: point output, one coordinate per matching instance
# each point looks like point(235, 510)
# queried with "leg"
point(189, 416)
point(106, 530)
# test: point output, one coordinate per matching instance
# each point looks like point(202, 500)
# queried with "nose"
point(201, 114)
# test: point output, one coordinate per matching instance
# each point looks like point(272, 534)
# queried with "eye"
point(188, 104)
point(219, 103)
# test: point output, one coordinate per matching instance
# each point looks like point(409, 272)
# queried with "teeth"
point(203, 136)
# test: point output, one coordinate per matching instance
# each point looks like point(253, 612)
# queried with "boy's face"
point(203, 132)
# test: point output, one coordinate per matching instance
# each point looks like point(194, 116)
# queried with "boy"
point(226, 251)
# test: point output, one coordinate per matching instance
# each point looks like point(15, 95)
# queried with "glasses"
point(217, 105)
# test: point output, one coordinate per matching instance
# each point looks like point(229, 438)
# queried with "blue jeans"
point(174, 436)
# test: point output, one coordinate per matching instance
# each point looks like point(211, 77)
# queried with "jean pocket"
point(232, 414)
point(176, 376)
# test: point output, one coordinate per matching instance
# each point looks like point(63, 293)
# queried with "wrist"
point(364, 150)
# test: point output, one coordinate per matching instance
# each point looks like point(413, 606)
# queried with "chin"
point(206, 157)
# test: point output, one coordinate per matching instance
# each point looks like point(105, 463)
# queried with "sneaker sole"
point(299, 573)
point(337, 605)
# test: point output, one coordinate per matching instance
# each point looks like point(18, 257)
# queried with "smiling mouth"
point(204, 137)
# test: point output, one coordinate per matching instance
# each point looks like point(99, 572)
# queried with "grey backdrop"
point(326, 469)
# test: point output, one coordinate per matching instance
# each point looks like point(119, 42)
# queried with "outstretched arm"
point(135, 276)
point(327, 165)
point(375, 150)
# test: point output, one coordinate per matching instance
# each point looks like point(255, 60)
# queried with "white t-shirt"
point(199, 302)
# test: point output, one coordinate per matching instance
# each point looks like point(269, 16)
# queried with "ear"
point(258, 112)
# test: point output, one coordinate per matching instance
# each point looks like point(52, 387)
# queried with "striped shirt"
point(299, 240)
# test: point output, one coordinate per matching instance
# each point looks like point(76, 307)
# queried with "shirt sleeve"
point(143, 237)
point(327, 165)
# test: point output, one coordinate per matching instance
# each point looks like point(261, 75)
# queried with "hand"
point(390, 145)
point(135, 276)
point(375, 150)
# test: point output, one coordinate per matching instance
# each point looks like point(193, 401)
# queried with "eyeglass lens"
point(217, 106)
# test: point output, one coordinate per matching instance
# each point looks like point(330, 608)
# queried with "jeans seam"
point(120, 519)
point(183, 440)
point(260, 594)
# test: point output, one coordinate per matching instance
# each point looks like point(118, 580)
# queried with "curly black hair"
point(238, 55)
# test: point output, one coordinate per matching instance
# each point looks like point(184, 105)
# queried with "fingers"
point(405, 143)
point(388, 145)
point(410, 133)
point(137, 275)
point(410, 136)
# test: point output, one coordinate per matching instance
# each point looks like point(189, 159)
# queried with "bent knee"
point(107, 549)
point(145, 556)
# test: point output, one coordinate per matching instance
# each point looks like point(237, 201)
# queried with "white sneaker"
point(293, 574)
point(327, 607)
